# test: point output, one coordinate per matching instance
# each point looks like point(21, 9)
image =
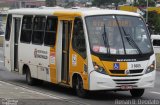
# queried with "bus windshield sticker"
point(103, 49)
point(113, 51)
point(74, 60)
point(96, 48)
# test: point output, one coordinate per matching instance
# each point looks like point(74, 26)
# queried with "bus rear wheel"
point(29, 79)
point(137, 92)
point(79, 88)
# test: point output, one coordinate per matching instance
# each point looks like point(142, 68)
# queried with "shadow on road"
point(94, 95)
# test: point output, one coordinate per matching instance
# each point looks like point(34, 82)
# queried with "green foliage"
point(154, 22)
point(104, 2)
point(143, 3)
point(50, 3)
point(70, 4)
point(98, 2)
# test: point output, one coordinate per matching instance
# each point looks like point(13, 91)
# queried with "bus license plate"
point(126, 87)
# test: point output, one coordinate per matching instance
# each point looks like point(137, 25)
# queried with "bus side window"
point(78, 39)
point(26, 29)
point(50, 31)
point(8, 27)
point(38, 30)
point(156, 42)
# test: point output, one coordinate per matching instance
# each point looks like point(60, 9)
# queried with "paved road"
point(14, 88)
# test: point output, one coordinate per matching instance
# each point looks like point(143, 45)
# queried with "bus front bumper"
point(100, 81)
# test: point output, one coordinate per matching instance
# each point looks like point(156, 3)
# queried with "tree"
point(106, 2)
point(98, 3)
point(70, 4)
point(51, 3)
point(154, 22)
point(143, 3)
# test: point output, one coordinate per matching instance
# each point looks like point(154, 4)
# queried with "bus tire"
point(79, 88)
point(137, 92)
point(29, 79)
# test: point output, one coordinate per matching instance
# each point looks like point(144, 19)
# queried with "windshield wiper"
point(131, 41)
point(105, 39)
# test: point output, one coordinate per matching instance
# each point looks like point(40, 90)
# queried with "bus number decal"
point(135, 66)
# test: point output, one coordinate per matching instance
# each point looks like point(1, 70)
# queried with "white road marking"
point(1, 61)
point(16, 88)
point(48, 95)
point(33, 91)
point(22, 92)
point(155, 92)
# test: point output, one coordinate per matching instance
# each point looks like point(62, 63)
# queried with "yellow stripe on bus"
point(53, 72)
point(109, 65)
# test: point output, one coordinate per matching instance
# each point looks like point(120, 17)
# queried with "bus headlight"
point(150, 68)
point(99, 68)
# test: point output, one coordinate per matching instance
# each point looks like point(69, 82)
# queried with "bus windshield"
point(118, 35)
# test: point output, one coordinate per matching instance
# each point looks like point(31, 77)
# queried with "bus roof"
point(58, 11)
point(155, 36)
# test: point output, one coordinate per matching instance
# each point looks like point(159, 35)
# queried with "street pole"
point(147, 12)
point(132, 4)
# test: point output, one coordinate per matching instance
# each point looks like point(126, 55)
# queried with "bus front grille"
point(126, 81)
point(117, 71)
point(137, 71)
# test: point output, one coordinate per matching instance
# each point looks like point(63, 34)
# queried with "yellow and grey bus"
point(88, 49)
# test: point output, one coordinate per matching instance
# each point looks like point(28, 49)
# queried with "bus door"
point(62, 50)
point(7, 44)
point(66, 34)
point(16, 31)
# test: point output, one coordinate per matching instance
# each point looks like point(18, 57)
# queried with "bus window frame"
point(8, 33)
point(156, 42)
point(80, 18)
point(30, 29)
point(56, 30)
point(42, 16)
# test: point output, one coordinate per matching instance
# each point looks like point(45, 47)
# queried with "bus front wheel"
point(137, 92)
point(79, 88)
